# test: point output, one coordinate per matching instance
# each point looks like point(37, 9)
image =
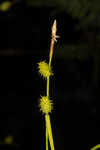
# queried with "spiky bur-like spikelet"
point(46, 105)
point(44, 69)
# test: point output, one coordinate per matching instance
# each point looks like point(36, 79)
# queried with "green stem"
point(45, 115)
point(47, 120)
point(46, 138)
point(49, 62)
point(96, 147)
point(48, 80)
point(48, 87)
point(49, 131)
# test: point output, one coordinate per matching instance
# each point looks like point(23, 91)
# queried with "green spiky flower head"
point(46, 105)
point(44, 69)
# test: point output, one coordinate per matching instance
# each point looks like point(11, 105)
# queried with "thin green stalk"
point(48, 80)
point(48, 87)
point(96, 147)
point(46, 138)
point(45, 115)
point(49, 131)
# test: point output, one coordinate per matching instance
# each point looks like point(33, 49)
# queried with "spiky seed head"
point(44, 69)
point(46, 105)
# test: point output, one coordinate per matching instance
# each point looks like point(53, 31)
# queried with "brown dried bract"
point(54, 30)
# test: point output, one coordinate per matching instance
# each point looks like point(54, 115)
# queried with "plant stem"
point(49, 131)
point(51, 51)
point(47, 117)
point(46, 138)
point(96, 147)
point(48, 87)
point(48, 79)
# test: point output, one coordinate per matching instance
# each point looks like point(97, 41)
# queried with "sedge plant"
point(46, 104)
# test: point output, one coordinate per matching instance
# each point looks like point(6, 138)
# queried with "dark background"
point(25, 33)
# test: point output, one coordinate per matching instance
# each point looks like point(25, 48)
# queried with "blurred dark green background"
point(25, 33)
